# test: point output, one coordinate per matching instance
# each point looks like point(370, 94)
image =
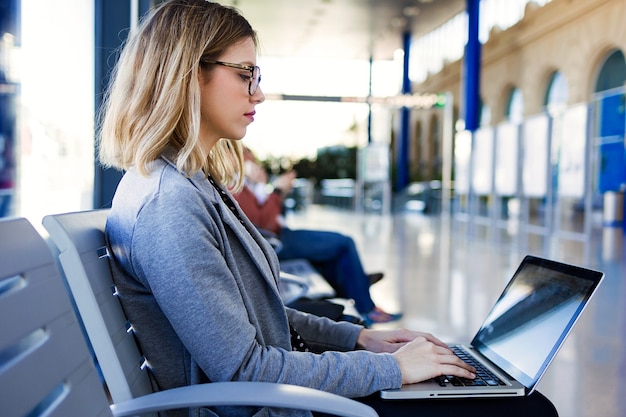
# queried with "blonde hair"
point(153, 101)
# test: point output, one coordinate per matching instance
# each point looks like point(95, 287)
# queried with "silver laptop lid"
point(533, 316)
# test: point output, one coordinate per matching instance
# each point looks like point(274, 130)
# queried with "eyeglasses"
point(255, 73)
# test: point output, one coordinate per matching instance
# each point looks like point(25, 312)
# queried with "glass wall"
point(447, 42)
point(55, 147)
point(9, 95)
point(308, 105)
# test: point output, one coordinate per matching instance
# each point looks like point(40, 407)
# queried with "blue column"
point(402, 146)
point(471, 69)
point(112, 23)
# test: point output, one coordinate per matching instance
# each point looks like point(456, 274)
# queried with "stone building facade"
point(572, 37)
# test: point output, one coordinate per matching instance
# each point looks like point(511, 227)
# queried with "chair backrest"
point(83, 254)
point(45, 365)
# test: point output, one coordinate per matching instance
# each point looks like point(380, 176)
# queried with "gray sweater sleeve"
point(323, 334)
point(205, 276)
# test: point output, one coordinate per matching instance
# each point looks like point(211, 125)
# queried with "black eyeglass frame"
point(250, 68)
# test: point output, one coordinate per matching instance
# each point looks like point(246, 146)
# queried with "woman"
point(195, 278)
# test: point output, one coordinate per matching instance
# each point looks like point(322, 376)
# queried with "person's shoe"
point(378, 315)
point(375, 277)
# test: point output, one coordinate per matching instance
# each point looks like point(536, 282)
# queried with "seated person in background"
point(335, 255)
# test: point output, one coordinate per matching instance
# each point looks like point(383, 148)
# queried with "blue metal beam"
point(112, 24)
point(471, 66)
point(402, 145)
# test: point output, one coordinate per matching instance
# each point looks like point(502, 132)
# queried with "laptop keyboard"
point(484, 377)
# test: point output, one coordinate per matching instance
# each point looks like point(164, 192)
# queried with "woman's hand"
point(284, 182)
point(422, 359)
point(421, 356)
point(390, 341)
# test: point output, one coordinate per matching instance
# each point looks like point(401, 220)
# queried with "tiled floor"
point(444, 274)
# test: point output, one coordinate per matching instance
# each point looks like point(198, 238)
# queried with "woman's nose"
point(258, 96)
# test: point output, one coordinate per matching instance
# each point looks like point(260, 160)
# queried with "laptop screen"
point(534, 315)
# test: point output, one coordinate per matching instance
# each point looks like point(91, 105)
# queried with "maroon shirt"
point(264, 216)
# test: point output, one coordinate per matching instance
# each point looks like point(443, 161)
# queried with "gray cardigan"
point(200, 288)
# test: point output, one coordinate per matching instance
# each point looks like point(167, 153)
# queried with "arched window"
point(613, 72)
point(556, 93)
point(611, 95)
point(514, 110)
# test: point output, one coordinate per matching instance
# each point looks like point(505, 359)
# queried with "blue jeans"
point(336, 257)
point(5, 204)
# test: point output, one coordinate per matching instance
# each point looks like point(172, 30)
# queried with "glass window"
point(613, 72)
point(556, 93)
point(447, 42)
point(56, 153)
point(9, 99)
point(514, 111)
point(485, 114)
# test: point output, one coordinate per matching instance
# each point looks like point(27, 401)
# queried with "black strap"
point(226, 198)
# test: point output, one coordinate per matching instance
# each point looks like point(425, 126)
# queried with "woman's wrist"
point(363, 339)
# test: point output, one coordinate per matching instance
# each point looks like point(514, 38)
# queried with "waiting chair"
point(315, 288)
point(292, 287)
point(302, 286)
point(318, 287)
point(298, 277)
point(83, 256)
point(45, 366)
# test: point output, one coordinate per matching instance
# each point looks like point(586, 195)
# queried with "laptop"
point(520, 336)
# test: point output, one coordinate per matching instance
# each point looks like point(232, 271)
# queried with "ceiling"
point(350, 29)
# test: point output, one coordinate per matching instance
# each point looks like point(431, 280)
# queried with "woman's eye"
point(245, 77)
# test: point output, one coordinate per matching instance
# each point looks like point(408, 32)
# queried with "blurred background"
point(464, 98)
point(448, 137)
point(502, 108)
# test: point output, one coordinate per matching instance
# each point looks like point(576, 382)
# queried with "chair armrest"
point(263, 394)
point(294, 279)
point(292, 287)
